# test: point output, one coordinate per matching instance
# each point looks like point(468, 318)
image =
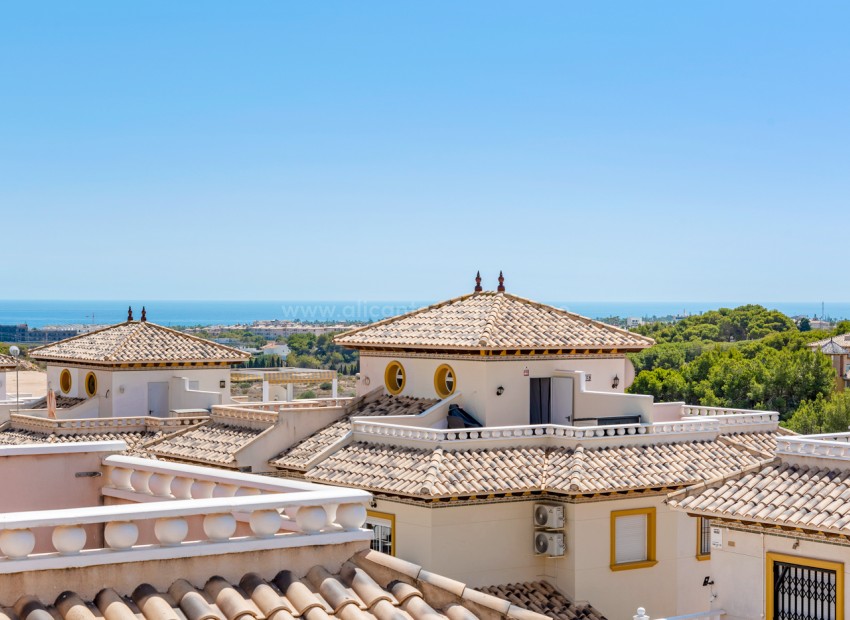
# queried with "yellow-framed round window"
point(394, 377)
point(65, 381)
point(445, 381)
point(91, 384)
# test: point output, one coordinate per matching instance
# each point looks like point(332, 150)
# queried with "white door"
point(562, 400)
point(158, 399)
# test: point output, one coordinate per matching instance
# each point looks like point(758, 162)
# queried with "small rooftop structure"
point(7, 362)
point(137, 342)
point(285, 377)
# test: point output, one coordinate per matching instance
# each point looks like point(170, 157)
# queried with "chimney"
point(478, 287)
point(129, 313)
point(144, 315)
point(501, 287)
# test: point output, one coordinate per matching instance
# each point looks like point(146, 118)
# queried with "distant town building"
point(633, 321)
point(274, 348)
point(838, 350)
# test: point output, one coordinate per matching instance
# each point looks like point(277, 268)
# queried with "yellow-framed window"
point(633, 538)
point(798, 587)
point(703, 539)
point(394, 377)
point(382, 525)
point(445, 381)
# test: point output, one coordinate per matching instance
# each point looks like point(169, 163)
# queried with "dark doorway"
point(541, 401)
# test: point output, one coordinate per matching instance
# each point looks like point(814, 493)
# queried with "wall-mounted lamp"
point(615, 382)
point(373, 503)
point(500, 390)
point(120, 389)
point(222, 384)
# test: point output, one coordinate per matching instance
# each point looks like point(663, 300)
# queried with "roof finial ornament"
point(478, 287)
point(144, 315)
point(129, 313)
point(501, 287)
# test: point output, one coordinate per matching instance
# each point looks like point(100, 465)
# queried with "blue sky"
point(273, 150)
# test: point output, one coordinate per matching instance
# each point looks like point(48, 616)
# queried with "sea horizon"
point(42, 313)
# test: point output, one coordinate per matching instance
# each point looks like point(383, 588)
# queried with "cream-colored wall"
point(478, 381)
point(489, 544)
point(480, 545)
point(739, 567)
point(124, 393)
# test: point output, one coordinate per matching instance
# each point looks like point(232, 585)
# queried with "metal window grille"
point(803, 592)
point(704, 536)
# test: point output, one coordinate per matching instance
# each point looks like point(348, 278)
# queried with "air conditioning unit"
point(549, 543)
point(549, 516)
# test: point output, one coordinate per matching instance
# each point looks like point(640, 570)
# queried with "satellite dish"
point(541, 543)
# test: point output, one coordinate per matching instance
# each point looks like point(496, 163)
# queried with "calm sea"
point(57, 312)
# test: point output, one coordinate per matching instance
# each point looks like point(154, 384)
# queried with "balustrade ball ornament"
point(160, 484)
point(68, 539)
point(351, 516)
point(202, 489)
point(121, 534)
point(120, 477)
point(171, 531)
point(139, 481)
point(17, 544)
point(265, 523)
point(224, 490)
point(246, 491)
point(181, 487)
point(311, 518)
point(219, 527)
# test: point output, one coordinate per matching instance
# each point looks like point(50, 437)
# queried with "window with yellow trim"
point(382, 525)
point(394, 377)
point(445, 381)
point(633, 538)
point(91, 384)
point(703, 539)
point(65, 381)
point(798, 587)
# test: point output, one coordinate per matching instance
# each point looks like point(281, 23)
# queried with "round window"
point(394, 377)
point(91, 384)
point(65, 381)
point(444, 381)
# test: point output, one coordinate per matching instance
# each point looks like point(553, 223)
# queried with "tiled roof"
point(763, 442)
point(298, 456)
point(842, 341)
point(6, 361)
point(62, 402)
point(137, 342)
point(778, 494)
point(135, 440)
point(493, 321)
point(366, 587)
point(542, 597)
point(447, 473)
point(214, 443)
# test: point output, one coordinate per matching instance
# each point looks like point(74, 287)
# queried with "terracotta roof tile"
point(492, 320)
point(214, 443)
point(298, 456)
point(441, 472)
point(135, 440)
point(7, 362)
point(137, 342)
point(363, 588)
point(543, 598)
point(777, 494)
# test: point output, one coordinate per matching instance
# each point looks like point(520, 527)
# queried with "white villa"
point(138, 368)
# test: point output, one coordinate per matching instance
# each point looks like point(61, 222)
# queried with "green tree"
point(822, 415)
point(804, 325)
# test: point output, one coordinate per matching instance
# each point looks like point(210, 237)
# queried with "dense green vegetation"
point(264, 361)
point(241, 336)
point(747, 357)
point(724, 325)
point(311, 351)
point(822, 415)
